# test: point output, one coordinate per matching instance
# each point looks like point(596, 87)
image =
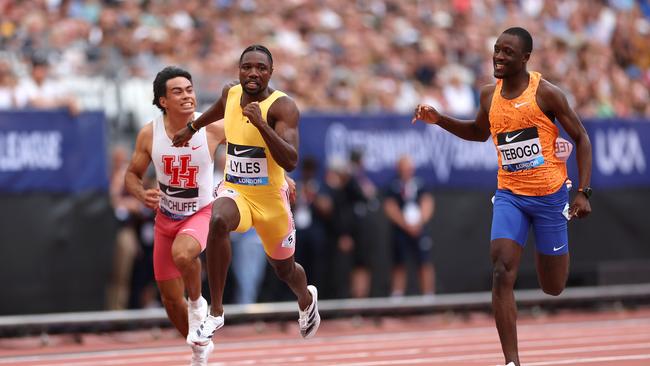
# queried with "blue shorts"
point(513, 215)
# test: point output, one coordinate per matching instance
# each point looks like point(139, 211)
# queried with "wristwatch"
point(190, 126)
point(586, 191)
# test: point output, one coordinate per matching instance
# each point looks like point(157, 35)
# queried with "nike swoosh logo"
point(171, 192)
point(239, 152)
point(555, 249)
point(510, 138)
point(517, 105)
point(196, 147)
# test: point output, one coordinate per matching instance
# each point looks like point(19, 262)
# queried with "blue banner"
point(51, 151)
point(620, 150)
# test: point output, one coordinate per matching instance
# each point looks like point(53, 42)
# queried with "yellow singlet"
point(249, 164)
point(255, 181)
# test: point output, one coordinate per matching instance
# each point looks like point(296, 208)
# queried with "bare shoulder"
point(550, 96)
point(548, 89)
point(227, 87)
point(486, 93)
point(146, 132)
point(145, 137)
point(284, 106)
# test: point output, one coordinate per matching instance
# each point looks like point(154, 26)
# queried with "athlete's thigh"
point(549, 215)
point(552, 270)
point(273, 221)
point(509, 221)
point(193, 233)
point(163, 263)
point(234, 207)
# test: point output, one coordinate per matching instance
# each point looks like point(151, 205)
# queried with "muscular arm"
point(138, 166)
point(282, 139)
point(215, 112)
point(472, 130)
point(553, 102)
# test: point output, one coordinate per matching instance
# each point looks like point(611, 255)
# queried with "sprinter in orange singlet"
point(261, 127)
point(519, 112)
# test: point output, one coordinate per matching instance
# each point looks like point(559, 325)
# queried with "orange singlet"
point(525, 140)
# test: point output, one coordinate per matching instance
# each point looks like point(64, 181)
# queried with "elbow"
point(291, 165)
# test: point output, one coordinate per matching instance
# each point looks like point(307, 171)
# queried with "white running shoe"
point(511, 364)
point(203, 334)
point(309, 320)
point(200, 354)
point(196, 313)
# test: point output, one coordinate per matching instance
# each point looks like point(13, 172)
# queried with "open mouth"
point(499, 67)
point(252, 85)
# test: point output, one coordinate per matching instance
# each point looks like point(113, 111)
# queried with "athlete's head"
point(255, 69)
point(173, 90)
point(511, 52)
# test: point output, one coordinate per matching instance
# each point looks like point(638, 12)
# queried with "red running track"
point(620, 338)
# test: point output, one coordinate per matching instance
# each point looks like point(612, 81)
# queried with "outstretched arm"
point(214, 113)
point(553, 102)
point(472, 130)
point(282, 138)
point(137, 168)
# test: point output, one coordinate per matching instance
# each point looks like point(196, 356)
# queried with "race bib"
point(520, 149)
point(246, 165)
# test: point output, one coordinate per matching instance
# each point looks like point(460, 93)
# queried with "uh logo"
point(182, 173)
point(619, 150)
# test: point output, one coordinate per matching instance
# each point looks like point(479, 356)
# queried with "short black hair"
point(160, 82)
point(524, 36)
point(256, 47)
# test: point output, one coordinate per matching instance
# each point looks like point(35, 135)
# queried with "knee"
point(219, 225)
point(183, 259)
point(503, 276)
point(172, 301)
point(554, 290)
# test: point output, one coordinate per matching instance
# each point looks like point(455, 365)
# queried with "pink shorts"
point(165, 232)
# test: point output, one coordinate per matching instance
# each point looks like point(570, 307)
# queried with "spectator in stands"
point(397, 45)
point(42, 92)
point(7, 86)
point(410, 207)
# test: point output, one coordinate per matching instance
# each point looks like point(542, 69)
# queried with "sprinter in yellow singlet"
point(519, 112)
point(261, 128)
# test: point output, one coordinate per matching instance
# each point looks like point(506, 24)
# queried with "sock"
point(195, 303)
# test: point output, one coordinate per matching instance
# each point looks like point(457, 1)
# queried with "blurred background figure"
point(144, 290)
point(312, 215)
point(39, 90)
point(126, 208)
point(248, 266)
point(410, 207)
point(8, 84)
point(350, 264)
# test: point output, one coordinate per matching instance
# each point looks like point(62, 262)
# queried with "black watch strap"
point(190, 127)
point(586, 191)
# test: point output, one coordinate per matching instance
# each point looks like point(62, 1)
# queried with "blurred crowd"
point(330, 55)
